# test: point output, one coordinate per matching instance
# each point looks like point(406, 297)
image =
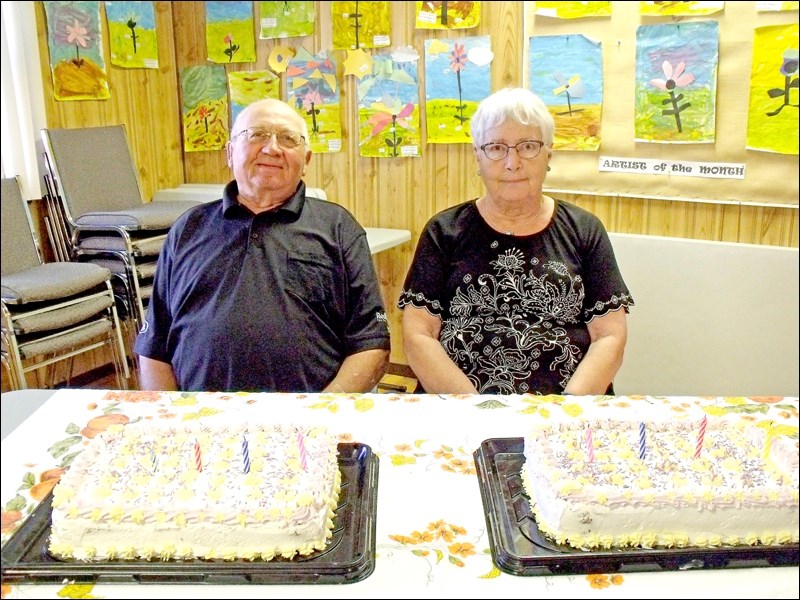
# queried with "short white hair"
point(511, 104)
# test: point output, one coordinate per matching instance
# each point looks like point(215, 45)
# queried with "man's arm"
point(155, 375)
point(360, 372)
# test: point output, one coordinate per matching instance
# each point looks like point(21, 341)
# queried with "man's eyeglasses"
point(526, 149)
point(258, 136)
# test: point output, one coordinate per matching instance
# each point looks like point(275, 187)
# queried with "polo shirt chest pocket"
point(309, 277)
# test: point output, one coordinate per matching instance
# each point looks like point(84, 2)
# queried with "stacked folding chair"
point(96, 212)
point(51, 312)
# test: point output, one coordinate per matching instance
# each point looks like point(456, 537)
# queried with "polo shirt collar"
point(291, 207)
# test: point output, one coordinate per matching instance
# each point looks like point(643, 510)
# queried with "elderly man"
point(265, 289)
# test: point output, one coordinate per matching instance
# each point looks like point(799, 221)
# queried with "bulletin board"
point(770, 178)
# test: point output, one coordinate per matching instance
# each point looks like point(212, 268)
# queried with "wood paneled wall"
point(399, 193)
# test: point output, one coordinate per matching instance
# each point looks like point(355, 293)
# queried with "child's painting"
point(457, 78)
point(772, 120)
point(573, 10)
point(676, 82)
point(204, 108)
point(447, 15)
point(230, 33)
point(566, 72)
point(75, 41)
point(132, 33)
point(361, 25)
point(314, 92)
point(248, 86)
point(388, 108)
point(285, 19)
point(683, 9)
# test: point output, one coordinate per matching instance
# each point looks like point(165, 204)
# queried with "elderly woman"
point(514, 292)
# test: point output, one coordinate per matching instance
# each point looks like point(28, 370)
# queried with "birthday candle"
point(590, 444)
point(642, 441)
point(245, 455)
point(700, 437)
point(301, 444)
point(153, 459)
point(198, 461)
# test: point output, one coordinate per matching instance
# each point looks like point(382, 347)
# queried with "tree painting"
point(361, 25)
point(676, 81)
point(447, 15)
point(132, 34)
point(76, 51)
point(314, 93)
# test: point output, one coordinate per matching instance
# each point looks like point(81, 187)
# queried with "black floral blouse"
point(514, 310)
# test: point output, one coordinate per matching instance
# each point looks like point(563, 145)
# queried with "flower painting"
point(230, 33)
point(566, 72)
point(132, 34)
point(457, 78)
point(248, 86)
point(388, 108)
point(204, 108)
point(772, 123)
point(676, 82)
point(76, 51)
point(314, 94)
point(285, 19)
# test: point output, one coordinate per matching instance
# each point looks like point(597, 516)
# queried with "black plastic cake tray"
point(519, 548)
point(348, 557)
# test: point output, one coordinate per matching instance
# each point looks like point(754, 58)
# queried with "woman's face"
point(513, 177)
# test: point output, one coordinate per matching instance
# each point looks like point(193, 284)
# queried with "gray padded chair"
point(96, 209)
point(51, 312)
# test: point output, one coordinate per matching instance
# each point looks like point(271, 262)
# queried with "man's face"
point(267, 152)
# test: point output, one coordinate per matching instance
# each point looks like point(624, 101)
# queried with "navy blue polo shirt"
point(267, 302)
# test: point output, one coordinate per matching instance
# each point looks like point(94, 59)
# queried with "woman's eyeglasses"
point(498, 151)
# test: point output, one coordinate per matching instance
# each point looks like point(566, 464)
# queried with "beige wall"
point(381, 193)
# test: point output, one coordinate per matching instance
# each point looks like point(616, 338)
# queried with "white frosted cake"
point(242, 491)
point(596, 483)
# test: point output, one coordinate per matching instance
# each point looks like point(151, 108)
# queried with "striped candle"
point(701, 435)
point(589, 444)
point(198, 459)
point(642, 441)
point(301, 445)
point(245, 456)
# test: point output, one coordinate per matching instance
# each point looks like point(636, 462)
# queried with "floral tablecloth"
point(432, 539)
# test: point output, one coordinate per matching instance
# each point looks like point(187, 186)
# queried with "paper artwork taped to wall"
point(447, 15)
point(361, 25)
point(676, 82)
point(566, 72)
point(230, 33)
point(246, 87)
point(285, 19)
point(132, 34)
point(660, 9)
point(313, 91)
point(772, 123)
point(204, 108)
point(388, 107)
point(75, 42)
point(457, 78)
point(573, 10)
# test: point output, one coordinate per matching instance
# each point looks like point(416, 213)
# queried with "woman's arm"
point(596, 371)
point(435, 370)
